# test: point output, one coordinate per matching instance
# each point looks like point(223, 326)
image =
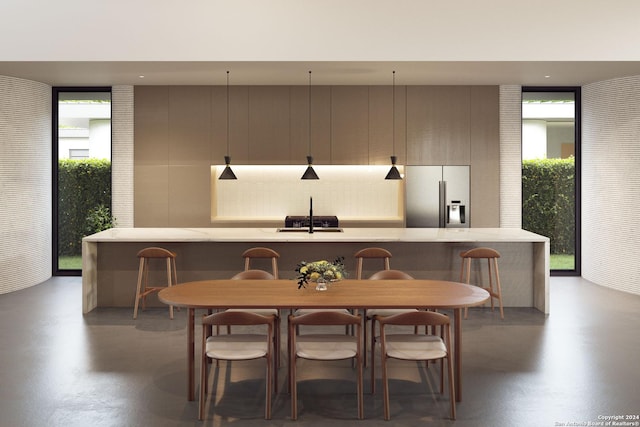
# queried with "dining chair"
point(371, 253)
point(235, 347)
point(369, 314)
point(260, 275)
point(491, 255)
point(261, 252)
point(415, 347)
point(146, 256)
point(323, 347)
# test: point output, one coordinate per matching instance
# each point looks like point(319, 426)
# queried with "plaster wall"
point(611, 183)
point(25, 183)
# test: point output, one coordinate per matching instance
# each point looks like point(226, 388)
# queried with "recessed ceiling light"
point(142, 77)
point(546, 77)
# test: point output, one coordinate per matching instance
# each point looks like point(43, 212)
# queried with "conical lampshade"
point(393, 172)
point(309, 173)
point(227, 173)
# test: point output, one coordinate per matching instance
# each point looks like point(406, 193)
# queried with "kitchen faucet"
point(310, 215)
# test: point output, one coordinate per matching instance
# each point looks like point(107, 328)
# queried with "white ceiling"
point(540, 73)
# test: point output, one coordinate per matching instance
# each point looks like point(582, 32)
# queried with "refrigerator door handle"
point(442, 203)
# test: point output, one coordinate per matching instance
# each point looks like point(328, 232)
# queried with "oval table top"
point(348, 293)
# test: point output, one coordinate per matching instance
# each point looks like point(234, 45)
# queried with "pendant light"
point(393, 172)
point(309, 173)
point(227, 173)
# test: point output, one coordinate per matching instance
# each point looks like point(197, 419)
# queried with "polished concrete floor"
point(60, 368)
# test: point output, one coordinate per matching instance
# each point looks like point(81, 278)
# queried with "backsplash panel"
point(269, 193)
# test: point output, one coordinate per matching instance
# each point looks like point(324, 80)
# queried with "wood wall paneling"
point(151, 156)
point(269, 114)
point(218, 142)
point(151, 195)
point(485, 156)
point(190, 195)
point(239, 124)
point(321, 117)
point(380, 124)
point(401, 124)
point(298, 124)
point(349, 125)
point(438, 125)
point(189, 125)
point(454, 130)
point(151, 130)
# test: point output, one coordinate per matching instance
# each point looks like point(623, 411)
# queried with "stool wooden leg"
point(138, 288)
point(169, 279)
point(145, 283)
point(499, 288)
point(467, 263)
point(491, 291)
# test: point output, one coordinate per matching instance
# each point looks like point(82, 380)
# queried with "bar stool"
point(371, 253)
point(145, 255)
point(491, 255)
point(260, 252)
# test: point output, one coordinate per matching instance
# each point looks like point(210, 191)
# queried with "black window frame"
point(577, 92)
point(55, 91)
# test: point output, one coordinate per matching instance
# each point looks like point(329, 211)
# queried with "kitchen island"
point(110, 265)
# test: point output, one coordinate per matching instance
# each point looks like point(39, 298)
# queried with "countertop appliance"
point(318, 221)
point(437, 196)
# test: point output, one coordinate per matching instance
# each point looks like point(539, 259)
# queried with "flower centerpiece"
point(312, 271)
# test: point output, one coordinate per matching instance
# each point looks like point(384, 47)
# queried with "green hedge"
point(548, 195)
point(84, 193)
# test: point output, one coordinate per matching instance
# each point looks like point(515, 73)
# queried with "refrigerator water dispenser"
point(455, 213)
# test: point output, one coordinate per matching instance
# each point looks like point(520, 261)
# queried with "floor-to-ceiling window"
point(551, 171)
point(82, 171)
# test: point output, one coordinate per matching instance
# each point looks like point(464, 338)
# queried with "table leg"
point(191, 354)
point(457, 352)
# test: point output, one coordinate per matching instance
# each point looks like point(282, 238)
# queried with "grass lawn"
point(562, 262)
point(70, 262)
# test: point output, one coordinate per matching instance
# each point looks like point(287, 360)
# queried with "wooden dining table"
point(353, 294)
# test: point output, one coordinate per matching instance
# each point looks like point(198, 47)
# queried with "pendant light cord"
point(393, 113)
point(309, 148)
point(227, 113)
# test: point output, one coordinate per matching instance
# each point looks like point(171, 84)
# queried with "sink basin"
point(306, 230)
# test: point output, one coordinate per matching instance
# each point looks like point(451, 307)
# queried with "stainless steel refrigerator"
point(437, 196)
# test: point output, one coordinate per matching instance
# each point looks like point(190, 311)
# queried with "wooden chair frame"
point(237, 318)
point(418, 318)
point(381, 275)
point(261, 252)
point(371, 253)
point(327, 318)
point(259, 275)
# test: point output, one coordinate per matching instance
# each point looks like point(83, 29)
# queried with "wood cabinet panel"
point(239, 124)
point(269, 113)
point(189, 189)
point(189, 125)
point(151, 202)
point(180, 131)
point(438, 125)
point(349, 125)
point(299, 124)
point(485, 156)
point(381, 124)
point(218, 144)
point(321, 147)
point(151, 130)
